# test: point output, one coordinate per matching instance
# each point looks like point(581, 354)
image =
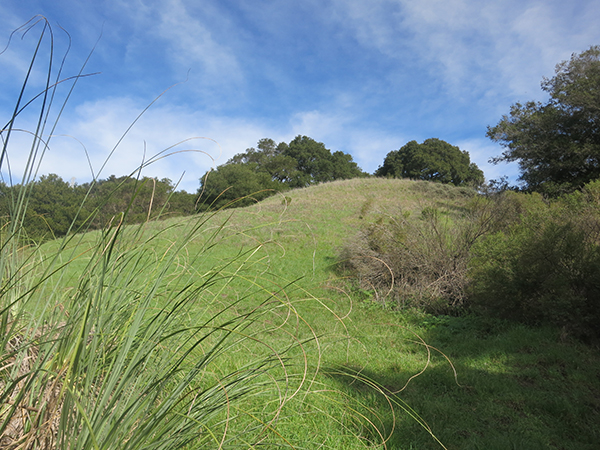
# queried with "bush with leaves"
point(544, 265)
point(236, 185)
point(511, 255)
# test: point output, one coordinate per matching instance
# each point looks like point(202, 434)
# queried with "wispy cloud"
point(191, 43)
point(467, 43)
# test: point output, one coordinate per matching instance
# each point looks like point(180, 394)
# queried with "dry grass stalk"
point(34, 418)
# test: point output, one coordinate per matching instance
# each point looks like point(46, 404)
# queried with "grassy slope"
point(518, 388)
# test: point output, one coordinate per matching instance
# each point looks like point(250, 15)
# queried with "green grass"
point(514, 387)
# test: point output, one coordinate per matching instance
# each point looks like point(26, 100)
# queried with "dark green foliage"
point(181, 203)
point(56, 207)
point(543, 266)
point(316, 164)
point(557, 143)
point(270, 159)
point(237, 185)
point(258, 173)
point(142, 199)
point(433, 160)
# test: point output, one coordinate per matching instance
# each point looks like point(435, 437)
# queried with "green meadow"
point(257, 340)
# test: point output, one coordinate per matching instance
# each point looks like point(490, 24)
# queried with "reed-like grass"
point(150, 337)
point(109, 343)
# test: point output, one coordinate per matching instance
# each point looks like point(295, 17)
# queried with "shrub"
point(510, 255)
point(544, 265)
point(419, 261)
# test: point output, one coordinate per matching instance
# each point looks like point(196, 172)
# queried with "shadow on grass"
point(517, 388)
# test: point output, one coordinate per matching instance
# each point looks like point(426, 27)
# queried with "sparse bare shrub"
point(419, 261)
point(422, 260)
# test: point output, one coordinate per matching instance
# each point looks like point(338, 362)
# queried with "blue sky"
point(361, 76)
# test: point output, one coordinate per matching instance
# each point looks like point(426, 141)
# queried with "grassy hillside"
point(516, 387)
point(349, 373)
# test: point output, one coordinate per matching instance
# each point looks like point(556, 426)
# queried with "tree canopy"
point(236, 185)
point(557, 143)
point(433, 160)
point(316, 164)
point(259, 172)
point(56, 207)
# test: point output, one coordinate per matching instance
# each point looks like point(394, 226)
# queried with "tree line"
point(54, 207)
point(259, 172)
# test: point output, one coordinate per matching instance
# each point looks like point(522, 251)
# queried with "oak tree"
point(557, 143)
point(433, 160)
point(259, 172)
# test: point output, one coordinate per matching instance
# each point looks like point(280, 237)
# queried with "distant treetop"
point(260, 172)
point(433, 160)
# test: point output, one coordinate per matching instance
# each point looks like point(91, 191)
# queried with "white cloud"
point(375, 23)
point(161, 42)
point(369, 146)
point(317, 124)
point(98, 126)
